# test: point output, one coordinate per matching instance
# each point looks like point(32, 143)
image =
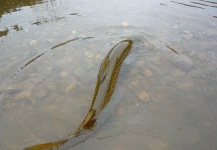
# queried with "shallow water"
point(167, 90)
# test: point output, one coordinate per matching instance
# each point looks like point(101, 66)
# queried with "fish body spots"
point(105, 86)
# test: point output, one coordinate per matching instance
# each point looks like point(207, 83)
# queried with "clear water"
point(167, 90)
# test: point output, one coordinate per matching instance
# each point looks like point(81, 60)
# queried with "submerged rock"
point(39, 92)
point(195, 74)
point(63, 74)
point(183, 66)
point(143, 97)
point(186, 86)
point(33, 43)
point(23, 95)
point(70, 87)
point(147, 73)
point(188, 36)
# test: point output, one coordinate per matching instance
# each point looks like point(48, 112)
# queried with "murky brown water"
point(167, 90)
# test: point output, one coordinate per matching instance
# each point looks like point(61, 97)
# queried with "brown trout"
point(99, 112)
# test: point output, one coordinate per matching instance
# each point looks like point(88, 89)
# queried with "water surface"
point(167, 90)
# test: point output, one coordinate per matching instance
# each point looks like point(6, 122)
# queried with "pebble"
point(125, 24)
point(195, 74)
point(195, 137)
point(89, 54)
point(33, 42)
point(63, 74)
point(183, 66)
point(186, 59)
point(121, 111)
point(211, 32)
point(202, 56)
point(210, 90)
point(98, 56)
point(178, 73)
point(207, 124)
point(144, 97)
point(50, 40)
point(186, 86)
point(147, 73)
point(9, 106)
point(187, 32)
point(188, 36)
point(159, 144)
point(140, 63)
point(133, 84)
point(23, 95)
point(74, 32)
point(1, 96)
point(70, 88)
point(26, 30)
point(40, 92)
point(133, 71)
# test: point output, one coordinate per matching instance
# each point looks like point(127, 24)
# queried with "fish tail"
point(46, 146)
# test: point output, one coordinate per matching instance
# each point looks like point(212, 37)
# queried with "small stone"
point(125, 24)
point(1, 97)
point(210, 90)
point(69, 88)
point(183, 66)
point(89, 54)
point(186, 86)
point(40, 92)
point(187, 32)
point(188, 36)
point(8, 106)
point(133, 84)
point(63, 74)
point(202, 56)
point(144, 97)
point(195, 74)
point(147, 72)
point(22, 95)
point(74, 32)
point(207, 124)
point(26, 30)
point(134, 71)
point(50, 40)
point(33, 43)
point(140, 63)
point(98, 55)
point(187, 59)
point(177, 73)
point(211, 32)
point(195, 137)
point(121, 111)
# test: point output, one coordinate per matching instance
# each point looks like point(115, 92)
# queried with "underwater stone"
point(70, 88)
point(40, 92)
point(188, 36)
point(143, 96)
point(33, 42)
point(183, 66)
point(147, 73)
point(186, 86)
point(22, 95)
point(63, 74)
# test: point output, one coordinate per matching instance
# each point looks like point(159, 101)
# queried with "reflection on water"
point(14, 5)
point(42, 12)
point(51, 52)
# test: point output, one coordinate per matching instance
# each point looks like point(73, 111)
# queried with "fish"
point(100, 109)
